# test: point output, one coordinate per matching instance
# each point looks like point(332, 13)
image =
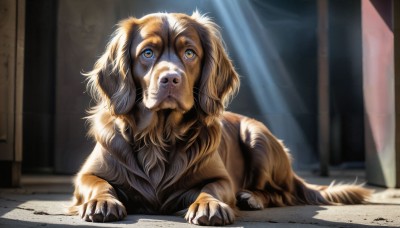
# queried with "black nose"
point(170, 79)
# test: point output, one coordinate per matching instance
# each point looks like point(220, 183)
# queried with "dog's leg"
point(214, 204)
point(209, 211)
point(269, 177)
point(96, 200)
point(271, 180)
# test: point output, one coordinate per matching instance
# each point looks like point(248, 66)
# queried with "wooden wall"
point(12, 28)
point(84, 28)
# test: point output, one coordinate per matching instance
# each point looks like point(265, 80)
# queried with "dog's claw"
point(102, 210)
point(210, 213)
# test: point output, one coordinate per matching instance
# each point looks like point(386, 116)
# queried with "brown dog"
point(165, 144)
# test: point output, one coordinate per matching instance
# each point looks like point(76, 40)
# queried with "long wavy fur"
point(164, 159)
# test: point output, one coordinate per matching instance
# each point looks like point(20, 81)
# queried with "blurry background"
point(274, 47)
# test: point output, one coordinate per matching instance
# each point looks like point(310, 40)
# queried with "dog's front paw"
point(102, 209)
point(210, 212)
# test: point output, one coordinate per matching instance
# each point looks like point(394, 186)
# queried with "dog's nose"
point(170, 79)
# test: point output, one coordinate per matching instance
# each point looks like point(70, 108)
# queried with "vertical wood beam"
point(12, 42)
point(19, 80)
point(323, 86)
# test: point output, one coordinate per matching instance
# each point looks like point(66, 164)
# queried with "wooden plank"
point(7, 77)
point(12, 27)
point(323, 87)
point(19, 80)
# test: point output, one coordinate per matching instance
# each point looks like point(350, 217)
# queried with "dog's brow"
point(185, 41)
point(172, 21)
point(150, 40)
point(151, 28)
point(176, 26)
point(151, 32)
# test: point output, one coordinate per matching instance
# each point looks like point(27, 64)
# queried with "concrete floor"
point(42, 200)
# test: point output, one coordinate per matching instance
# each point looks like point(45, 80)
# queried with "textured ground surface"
point(41, 202)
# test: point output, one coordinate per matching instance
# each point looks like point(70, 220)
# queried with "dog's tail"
point(334, 194)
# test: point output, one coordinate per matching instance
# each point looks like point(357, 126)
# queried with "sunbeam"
point(259, 66)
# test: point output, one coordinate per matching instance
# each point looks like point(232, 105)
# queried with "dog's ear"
point(219, 80)
point(110, 82)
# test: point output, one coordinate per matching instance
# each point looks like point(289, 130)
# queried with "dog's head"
point(166, 61)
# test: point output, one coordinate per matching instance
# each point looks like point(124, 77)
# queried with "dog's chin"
point(168, 103)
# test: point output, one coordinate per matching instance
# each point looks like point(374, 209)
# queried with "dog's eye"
point(148, 53)
point(189, 54)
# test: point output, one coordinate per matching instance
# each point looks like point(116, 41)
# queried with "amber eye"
point(189, 54)
point(148, 53)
